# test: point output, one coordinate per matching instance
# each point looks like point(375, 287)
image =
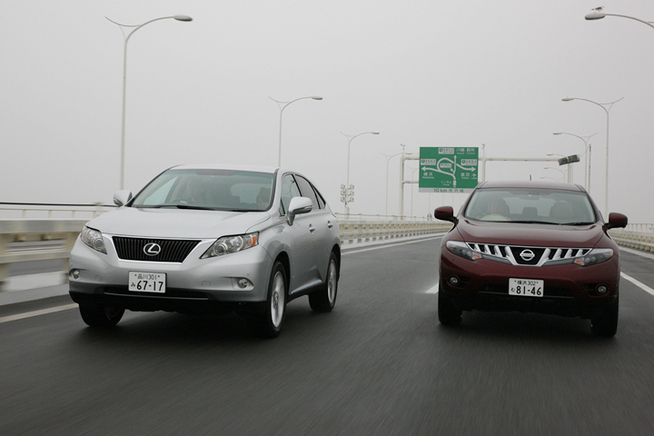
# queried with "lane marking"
point(433, 290)
point(641, 285)
point(37, 313)
point(382, 245)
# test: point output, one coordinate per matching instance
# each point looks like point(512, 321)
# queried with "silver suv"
point(210, 239)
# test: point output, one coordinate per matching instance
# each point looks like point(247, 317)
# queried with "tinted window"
point(531, 205)
point(211, 189)
point(289, 190)
point(307, 191)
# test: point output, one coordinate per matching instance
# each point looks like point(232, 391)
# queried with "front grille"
point(528, 256)
point(172, 250)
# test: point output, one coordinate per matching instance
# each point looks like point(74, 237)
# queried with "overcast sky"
point(422, 73)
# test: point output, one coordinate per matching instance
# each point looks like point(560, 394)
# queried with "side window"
point(321, 201)
point(289, 190)
point(307, 191)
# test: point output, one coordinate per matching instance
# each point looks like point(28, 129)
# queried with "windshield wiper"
point(191, 207)
point(576, 223)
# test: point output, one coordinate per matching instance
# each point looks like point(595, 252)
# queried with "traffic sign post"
point(448, 169)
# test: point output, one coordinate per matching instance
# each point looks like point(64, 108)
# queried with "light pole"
point(122, 29)
point(607, 110)
point(597, 14)
point(586, 152)
point(346, 198)
point(388, 159)
point(561, 171)
point(282, 105)
point(570, 175)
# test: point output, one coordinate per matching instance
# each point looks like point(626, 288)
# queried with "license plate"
point(526, 287)
point(147, 282)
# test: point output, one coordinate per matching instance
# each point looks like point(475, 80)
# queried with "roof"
point(205, 166)
point(540, 184)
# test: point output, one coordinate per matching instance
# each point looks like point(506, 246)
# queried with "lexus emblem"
point(527, 255)
point(152, 249)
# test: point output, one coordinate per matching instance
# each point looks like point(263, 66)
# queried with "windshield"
point(209, 189)
point(531, 206)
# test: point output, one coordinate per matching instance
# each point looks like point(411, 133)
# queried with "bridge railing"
point(639, 236)
point(51, 238)
point(26, 239)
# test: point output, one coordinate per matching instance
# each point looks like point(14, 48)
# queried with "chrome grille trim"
point(550, 255)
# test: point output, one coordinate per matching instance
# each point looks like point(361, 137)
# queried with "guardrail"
point(638, 236)
point(33, 240)
point(51, 239)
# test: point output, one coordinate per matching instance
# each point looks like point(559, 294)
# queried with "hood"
point(539, 235)
point(176, 223)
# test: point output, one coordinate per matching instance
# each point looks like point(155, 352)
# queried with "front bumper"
point(195, 285)
point(570, 290)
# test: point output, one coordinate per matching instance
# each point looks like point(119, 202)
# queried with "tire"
point(268, 319)
point(99, 315)
point(606, 324)
point(324, 300)
point(448, 313)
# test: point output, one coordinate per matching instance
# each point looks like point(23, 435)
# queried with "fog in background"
point(422, 73)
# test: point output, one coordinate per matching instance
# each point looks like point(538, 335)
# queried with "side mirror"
point(298, 206)
point(445, 213)
point(121, 198)
point(616, 220)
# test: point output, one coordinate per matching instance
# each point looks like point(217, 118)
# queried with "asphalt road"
point(380, 364)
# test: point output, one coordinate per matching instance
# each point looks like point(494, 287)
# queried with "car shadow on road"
point(523, 326)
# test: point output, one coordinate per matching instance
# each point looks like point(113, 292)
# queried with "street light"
point(388, 159)
point(570, 175)
point(561, 171)
point(281, 111)
point(586, 152)
point(122, 29)
point(597, 14)
point(347, 185)
point(604, 107)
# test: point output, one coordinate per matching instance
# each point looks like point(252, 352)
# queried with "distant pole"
point(347, 184)
point(586, 152)
point(122, 134)
point(388, 159)
point(282, 105)
point(607, 108)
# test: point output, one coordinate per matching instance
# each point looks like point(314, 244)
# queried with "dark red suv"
point(530, 247)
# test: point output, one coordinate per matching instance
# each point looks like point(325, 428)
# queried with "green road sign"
point(448, 169)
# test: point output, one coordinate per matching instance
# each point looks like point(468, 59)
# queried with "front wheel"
point(606, 324)
point(267, 322)
point(99, 315)
point(325, 299)
point(448, 313)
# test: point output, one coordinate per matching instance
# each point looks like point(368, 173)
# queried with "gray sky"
point(423, 73)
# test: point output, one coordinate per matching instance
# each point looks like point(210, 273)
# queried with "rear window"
point(531, 206)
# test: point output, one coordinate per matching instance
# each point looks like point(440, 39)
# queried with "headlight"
point(93, 238)
point(594, 257)
point(462, 249)
point(231, 244)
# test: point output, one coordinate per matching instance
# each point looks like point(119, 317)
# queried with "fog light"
point(74, 274)
point(454, 280)
point(602, 289)
point(243, 283)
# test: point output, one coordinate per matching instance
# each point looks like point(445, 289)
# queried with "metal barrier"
point(638, 236)
point(32, 240)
